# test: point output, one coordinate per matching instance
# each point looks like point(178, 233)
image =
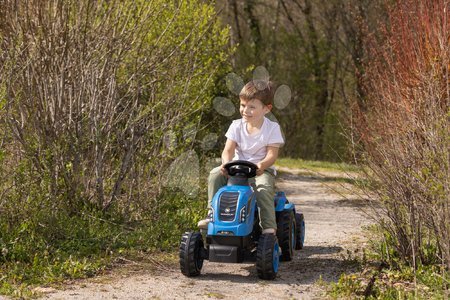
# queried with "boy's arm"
point(271, 157)
point(227, 154)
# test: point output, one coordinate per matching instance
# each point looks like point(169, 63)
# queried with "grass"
point(215, 295)
point(377, 279)
point(389, 283)
point(23, 280)
point(324, 170)
point(43, 252)
point(316, 166)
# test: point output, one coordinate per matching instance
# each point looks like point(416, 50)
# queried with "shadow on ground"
point(309, 265)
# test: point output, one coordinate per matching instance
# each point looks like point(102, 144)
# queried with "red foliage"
point(404, 127)
point(414, 52)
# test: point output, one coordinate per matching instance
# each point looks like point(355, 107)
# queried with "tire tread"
point(187, 255)
point(264, 256)
point(284, 235)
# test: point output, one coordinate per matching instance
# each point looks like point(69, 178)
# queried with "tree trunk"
point(255, 33)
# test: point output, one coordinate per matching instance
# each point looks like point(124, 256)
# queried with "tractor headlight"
point(211, 214)
point(243, 214)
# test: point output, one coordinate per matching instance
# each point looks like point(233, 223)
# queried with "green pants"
point(265, 193)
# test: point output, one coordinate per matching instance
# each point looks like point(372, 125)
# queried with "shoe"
point(269, 231)
point(203, 224)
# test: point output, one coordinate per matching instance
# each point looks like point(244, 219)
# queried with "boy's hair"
point(258, 89)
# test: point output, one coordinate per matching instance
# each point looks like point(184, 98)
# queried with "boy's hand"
point(223, 170)
point(260, 169)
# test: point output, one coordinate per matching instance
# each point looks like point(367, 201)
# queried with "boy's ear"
point(269, 106)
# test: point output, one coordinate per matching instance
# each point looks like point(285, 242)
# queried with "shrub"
point(89, 94)
point(405, 129)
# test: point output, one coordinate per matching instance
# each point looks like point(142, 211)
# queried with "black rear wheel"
point(286, 232)
point(191, 254)
point(300, 232)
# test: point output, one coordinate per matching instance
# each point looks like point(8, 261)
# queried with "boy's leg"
point(215, 181)
point(265, 193)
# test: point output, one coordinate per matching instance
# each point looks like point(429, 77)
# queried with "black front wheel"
point(267, 256)
point(191, 253)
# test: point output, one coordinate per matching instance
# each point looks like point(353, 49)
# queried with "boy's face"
point(253, 110)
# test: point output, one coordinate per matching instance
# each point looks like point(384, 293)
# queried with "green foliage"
point(47, 249)
point(390, 277)
point(425, 283)
point(51, 247)
point(303, 53)
point(174, 214)
point(347, 286)
point(141, 72)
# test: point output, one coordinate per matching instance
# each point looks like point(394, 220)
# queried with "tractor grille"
point(227, 205)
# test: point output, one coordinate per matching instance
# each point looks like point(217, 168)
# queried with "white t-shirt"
point(253, 147)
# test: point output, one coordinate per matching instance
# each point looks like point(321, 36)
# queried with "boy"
point(256, 139)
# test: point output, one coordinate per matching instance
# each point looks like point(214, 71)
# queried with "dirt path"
point(333, 233)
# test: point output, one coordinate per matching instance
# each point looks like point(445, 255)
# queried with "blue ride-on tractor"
point(234, 234)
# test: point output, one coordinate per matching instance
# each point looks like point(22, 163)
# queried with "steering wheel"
point(243, 167)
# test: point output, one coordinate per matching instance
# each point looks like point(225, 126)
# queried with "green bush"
point(84, 131)
point(384, 275)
